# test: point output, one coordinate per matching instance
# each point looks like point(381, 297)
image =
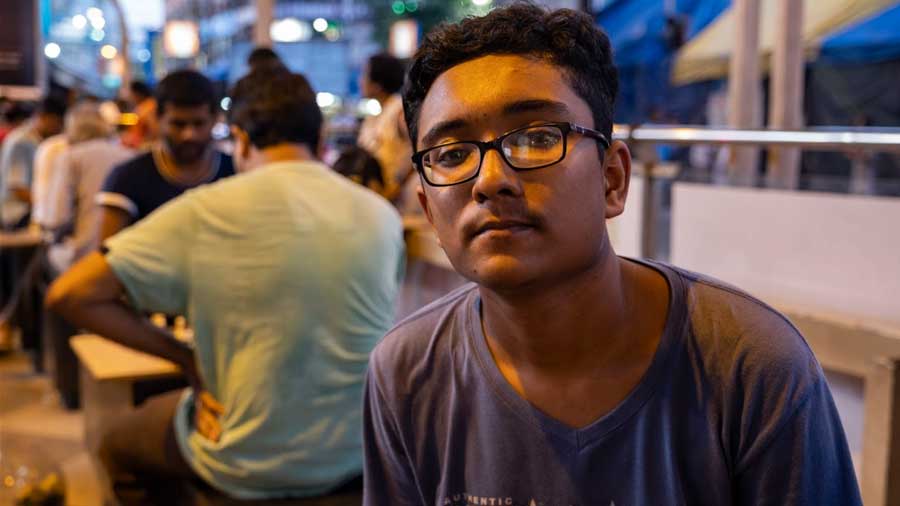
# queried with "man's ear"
point(617, 175)
point(423, 201)
point(241, 142)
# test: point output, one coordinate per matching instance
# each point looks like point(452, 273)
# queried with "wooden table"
point(108, 374)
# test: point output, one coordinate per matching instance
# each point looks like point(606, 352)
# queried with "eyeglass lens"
point(523, 149)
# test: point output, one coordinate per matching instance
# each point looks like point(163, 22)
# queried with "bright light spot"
point(181, 39)
point(481, 3)
point(98, 23)
point(332, 34)
point(144, 55)
point(109, 52)
point(52, 50)
point(370, 107)
point(320, 24)
point(290, 30)
point(79, 21)
point(225, 103)
point(404, 38)
point(97, 35)
point(220, 131)
point(412, 6)
point(128, 119)
point(325, 99)
point(398, 7)
point(94, 13)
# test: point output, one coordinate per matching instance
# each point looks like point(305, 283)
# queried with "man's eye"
point(452, 156)
point(539, 139)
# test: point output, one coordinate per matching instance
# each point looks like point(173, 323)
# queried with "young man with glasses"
point(566, 375)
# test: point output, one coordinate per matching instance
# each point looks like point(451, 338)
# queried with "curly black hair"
point(274, 105)
point(564, 37)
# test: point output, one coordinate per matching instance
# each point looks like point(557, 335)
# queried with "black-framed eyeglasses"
point(527, 148)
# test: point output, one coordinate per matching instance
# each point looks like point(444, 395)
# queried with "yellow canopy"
point(706, 56)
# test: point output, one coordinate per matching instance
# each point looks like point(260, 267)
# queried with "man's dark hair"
point(387, 72)
point(262, 57)
point(275, 106)
point(359, 165)
point(51, 105)
point(566, 38)
point(185, 88)
point(140, 88)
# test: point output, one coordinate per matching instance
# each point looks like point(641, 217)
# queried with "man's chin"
point(502, 273)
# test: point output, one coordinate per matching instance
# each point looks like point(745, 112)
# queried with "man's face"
point(508, 229)
point(187, 131)
point(48, 124)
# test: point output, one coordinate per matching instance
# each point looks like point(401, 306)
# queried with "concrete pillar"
point(265, 12)
point(786, 92)
point(744, 95)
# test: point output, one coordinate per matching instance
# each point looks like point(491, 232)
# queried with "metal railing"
point(818, 139)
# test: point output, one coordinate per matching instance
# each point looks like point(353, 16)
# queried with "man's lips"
point(503, 225)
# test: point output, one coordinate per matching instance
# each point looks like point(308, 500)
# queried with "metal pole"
point(744, 88)
point(123, 53)
point(264, 15)
point(587, 6)
point(786, 90)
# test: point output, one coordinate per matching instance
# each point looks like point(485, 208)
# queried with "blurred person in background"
point(79, 172)
point(360, 167)
point(17, 158)
point(12, 115)
point(145, 130)
point(384, 135)
point(288, 273)
point(183, 158)
point(69, 214)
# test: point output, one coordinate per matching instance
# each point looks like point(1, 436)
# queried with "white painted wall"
point(625, 230)
point(834, 254)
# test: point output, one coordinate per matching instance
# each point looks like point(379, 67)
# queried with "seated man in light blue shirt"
point(288, 274)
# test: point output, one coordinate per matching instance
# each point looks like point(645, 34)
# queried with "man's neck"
point(284, 152)
point(591, 320)
point(188, 174)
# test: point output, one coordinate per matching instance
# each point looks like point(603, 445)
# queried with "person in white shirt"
point(384, 135)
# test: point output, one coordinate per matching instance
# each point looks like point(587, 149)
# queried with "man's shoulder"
point(419, 344)
point(137, 168)
point(742, 341)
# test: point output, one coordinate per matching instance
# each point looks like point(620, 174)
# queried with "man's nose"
point(495, 178)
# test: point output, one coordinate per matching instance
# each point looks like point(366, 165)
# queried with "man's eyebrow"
point(437, 131)
point(535, 105)
point(511, 109)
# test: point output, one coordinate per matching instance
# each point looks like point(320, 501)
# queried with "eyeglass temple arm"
point(590, 133)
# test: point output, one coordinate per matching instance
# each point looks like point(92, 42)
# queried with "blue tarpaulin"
point(637, 30)
point(871, 40)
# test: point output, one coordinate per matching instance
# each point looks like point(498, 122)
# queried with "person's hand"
point(207, 412)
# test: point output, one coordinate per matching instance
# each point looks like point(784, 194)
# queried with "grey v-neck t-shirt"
point(734, 409)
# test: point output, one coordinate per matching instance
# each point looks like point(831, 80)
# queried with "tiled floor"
point(36, 431)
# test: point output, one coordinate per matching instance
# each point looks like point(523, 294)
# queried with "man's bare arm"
point(89, 295)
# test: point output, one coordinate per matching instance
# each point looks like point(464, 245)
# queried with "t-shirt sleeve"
point(388, 477)
point(807, 461)
point(118, 191)
point(151, 257)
